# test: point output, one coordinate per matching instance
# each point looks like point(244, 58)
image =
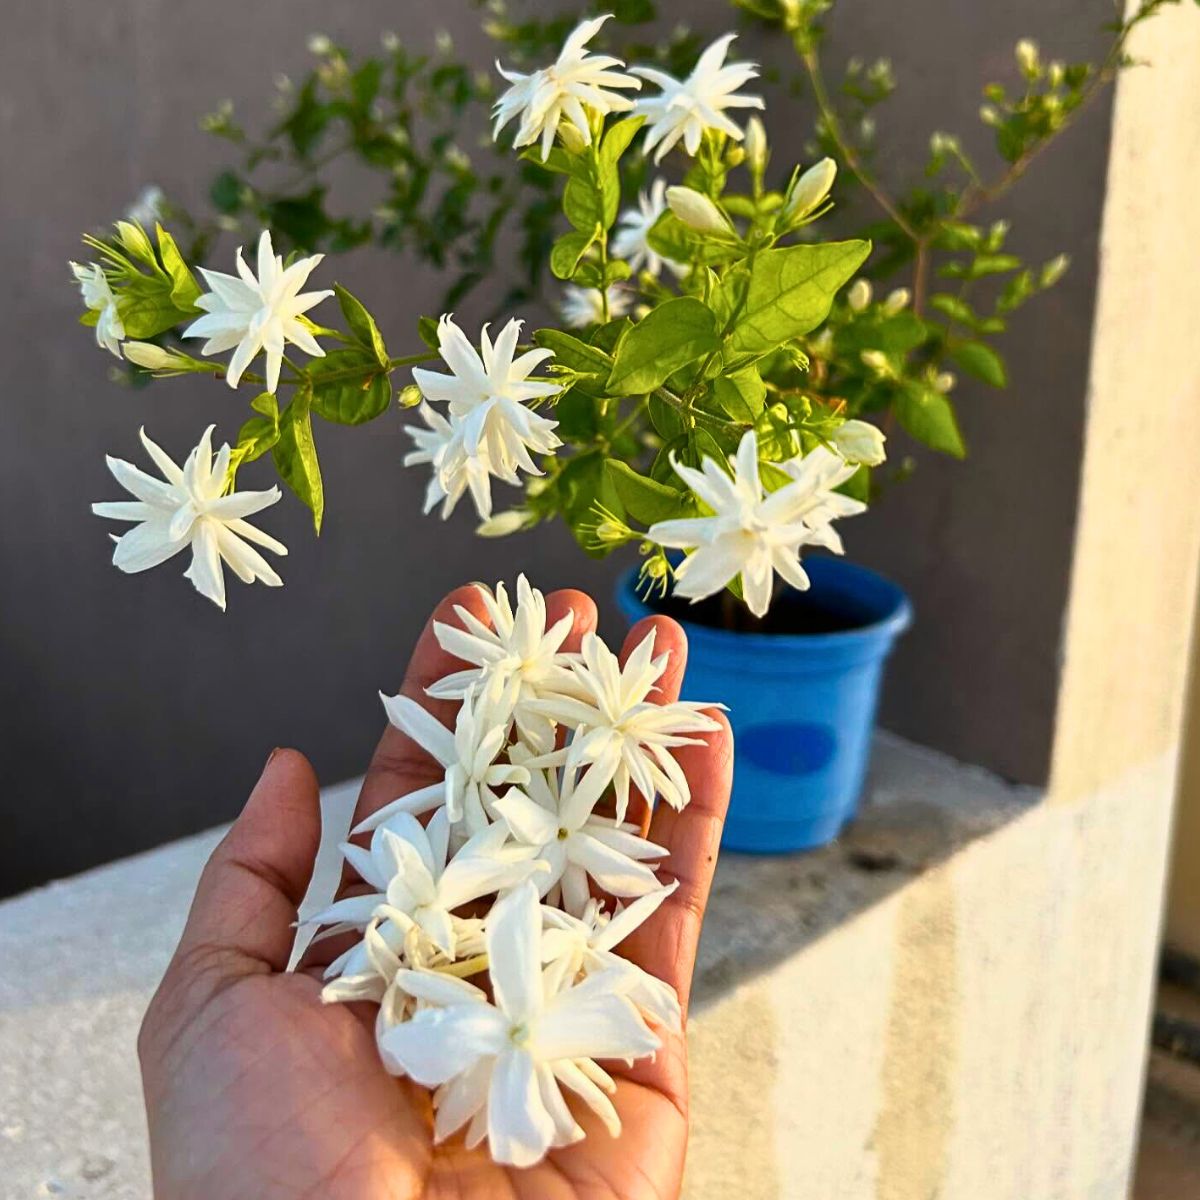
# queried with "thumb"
point(252, 885)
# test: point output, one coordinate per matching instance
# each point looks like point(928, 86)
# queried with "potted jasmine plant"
point(704, 399)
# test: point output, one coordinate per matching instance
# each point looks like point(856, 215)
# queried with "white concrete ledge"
point(83, 956)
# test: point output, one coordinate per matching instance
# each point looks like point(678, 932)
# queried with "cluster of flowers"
point(521, 876)
point(489, 427)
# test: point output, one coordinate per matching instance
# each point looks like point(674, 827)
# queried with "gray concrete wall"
point(134, 711)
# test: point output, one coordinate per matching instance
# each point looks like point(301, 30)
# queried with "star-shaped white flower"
point(408, 868)
point(189, 507)
point(754, 534)
point(490, 419)
point(454, 470)
point(630, 240)
point(499, 1066)
point(585, 944)
point(575, 82)
point(625, 735)
point(468, 757)
point(554, 819)
point(580, 306)
point(98, 296)
point(686, 109)
point(257, 314)
point(517, 649)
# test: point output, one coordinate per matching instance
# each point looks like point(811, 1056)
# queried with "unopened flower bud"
point(811, 190)
point(155, 358)
point(697, 211)
point(860, 442)
point(944, 381)
point(822, 344)
point(859, 295)
point(409, 397)
point(988, 115)
point(1055, 72)
point(877, 361)
point(897, 301)
point(319, 44)
point(756, 145)
point(1027, 56)
point(390, 41)
point(570, 137)
point(1054, 270)
point(502, 524)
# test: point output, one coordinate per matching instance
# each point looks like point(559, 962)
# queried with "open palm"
point(255, 1089)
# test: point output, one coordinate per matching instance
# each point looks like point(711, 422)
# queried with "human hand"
point(256, 1090)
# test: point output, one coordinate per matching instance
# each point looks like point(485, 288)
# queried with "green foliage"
point(788, 293)
point(295, 455)
point(772, 323)
point(673, 336)
point(154, 289)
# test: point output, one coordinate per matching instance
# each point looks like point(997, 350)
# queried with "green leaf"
point(929, 417)
point(618, 138)
point(671, 238)
point(581, 485)
point(361, 324)
point(352, 399)
point(568, 250)
point(185, 291)
point(703, 445)
point(665, 418)
point(673, 335)
point(645, 500)
point(980, 360)
point(578, 416)
point(741, 395)
point(226, 192)
point(295, 455)
point(790, 292)
point(427, 331)
point(259, 434)
point(583, 203)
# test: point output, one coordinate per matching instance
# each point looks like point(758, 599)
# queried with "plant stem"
point(849, 154)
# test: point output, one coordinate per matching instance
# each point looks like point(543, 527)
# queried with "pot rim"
point(887, 627)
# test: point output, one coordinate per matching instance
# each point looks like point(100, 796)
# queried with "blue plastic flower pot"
point(802, 705)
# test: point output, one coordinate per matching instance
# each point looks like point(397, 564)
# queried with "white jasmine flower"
point(499, 1066)
point(575, 82)
point(454, 470)
point(249, 315)
point(517, 653)
point(686, 109)
point(98, 296)
point(630, 240)
point(467, 756)
point(189, 507)
point(580, 306)
point(751, 534)
point(490, 419)
point(587, 942)
point(555, 821)
point(697, 211)
point(622, 731)
point(810, 191)
point(407, 866)
point(860, 442)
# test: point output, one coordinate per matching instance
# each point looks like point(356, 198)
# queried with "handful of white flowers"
point(488, 936)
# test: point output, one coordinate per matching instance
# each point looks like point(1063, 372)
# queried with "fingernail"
point(271, 758)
